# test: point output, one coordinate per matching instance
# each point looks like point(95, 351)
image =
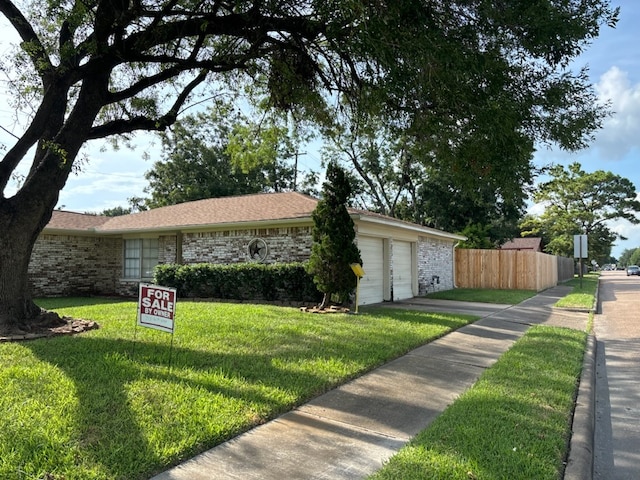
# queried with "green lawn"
point(581, 296)
point(102, 406)
point(514, 423)
point(485, 295)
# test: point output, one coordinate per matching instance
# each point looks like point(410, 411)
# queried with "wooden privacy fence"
point(510, 269)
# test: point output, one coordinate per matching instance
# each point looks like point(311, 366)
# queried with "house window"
point(140, 257)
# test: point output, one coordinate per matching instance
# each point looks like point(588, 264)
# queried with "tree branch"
point(249, 26)
point(41, 62)
point(47, 119)
point(119, 127)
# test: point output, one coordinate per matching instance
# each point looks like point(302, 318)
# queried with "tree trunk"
point(24, 216)
point(16, 306)
point(19, 229)
point(325, 301)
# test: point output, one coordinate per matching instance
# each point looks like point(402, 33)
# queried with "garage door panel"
point(372, 284)
point(402, 270)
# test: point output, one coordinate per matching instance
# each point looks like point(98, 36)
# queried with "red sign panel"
point(157, 307)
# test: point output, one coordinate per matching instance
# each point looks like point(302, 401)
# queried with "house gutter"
point(302, 222)
point(453, 264)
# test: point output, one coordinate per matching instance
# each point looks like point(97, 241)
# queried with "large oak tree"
point(578, 202)
point(443, 71)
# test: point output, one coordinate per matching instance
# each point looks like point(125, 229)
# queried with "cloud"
point(630, 232)
point(108, 179)
point(619, 135)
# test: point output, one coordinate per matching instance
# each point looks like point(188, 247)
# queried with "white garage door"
point(402, 270)
point(372, 284)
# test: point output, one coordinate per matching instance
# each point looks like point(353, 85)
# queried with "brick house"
point(87, 254)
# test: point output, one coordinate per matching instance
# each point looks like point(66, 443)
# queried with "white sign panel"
point(580, 246)
point(157, 307)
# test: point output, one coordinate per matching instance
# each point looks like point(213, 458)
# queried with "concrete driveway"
point(449, 306)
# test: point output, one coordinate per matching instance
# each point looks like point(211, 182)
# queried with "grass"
point(514, 423)
point(580, 297)
point(106, 405)
point(485, 295)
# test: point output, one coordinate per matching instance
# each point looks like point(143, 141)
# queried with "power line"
point(10, 133)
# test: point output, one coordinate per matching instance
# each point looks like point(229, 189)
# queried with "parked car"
point(633, 270)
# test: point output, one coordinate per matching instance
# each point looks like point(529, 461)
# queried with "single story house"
point(88, 254)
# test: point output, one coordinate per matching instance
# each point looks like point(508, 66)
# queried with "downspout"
point(453, 264)
point(179, 248)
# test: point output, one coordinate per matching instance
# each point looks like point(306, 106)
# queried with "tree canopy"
point(576, 202)
point(630, 256)
point(198, 162)
point(486, 93)
point(456, 76)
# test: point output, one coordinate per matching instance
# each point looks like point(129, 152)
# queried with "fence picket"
point(510, 269)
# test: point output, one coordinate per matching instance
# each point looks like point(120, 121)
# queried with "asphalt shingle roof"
point(224, 211)
point(526, 243)
point(61, 220)
point(216, 211)
point(212, 211)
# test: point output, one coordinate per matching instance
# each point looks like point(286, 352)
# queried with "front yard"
point(120, 403)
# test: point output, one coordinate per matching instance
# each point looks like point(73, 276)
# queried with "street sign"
point(580, 246)
point(156, 307)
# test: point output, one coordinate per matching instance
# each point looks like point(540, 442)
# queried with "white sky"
point(111, 177)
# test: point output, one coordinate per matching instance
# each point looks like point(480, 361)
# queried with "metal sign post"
point(580, 250)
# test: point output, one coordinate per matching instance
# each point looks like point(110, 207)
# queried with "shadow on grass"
point(53, 303)
point(449, 320)
point(135, 416)
point(517, 441)
point(126, 397)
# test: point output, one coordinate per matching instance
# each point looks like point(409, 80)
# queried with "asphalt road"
point(617, 422)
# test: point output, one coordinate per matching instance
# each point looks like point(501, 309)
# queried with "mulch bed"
point(331, 309)
point(49, 326)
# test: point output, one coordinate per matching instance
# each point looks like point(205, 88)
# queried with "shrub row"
point(288, 282)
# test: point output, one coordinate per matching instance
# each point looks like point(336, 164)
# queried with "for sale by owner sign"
point(156, 307)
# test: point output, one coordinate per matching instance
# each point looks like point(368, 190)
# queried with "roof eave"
point(89, 232)
point(391, 222)
point(302, 221)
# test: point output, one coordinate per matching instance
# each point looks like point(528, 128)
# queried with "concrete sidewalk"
point(349, 432)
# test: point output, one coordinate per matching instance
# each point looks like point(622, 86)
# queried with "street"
point(617, 423)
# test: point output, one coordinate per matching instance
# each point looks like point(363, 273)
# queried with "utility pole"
point(295, 169)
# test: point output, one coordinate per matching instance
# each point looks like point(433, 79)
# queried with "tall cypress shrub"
point(334, 248)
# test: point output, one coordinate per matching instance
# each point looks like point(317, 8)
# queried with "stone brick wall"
point(292, 244)
point(75, 265)
point(435, 259)
point(168, 249)
point(84, 265)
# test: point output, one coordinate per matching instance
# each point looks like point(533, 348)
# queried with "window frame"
point(139, 257)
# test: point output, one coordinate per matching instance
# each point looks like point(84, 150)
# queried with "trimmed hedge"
point(287, 282)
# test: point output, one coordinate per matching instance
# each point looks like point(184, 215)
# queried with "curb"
point(581, 448)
